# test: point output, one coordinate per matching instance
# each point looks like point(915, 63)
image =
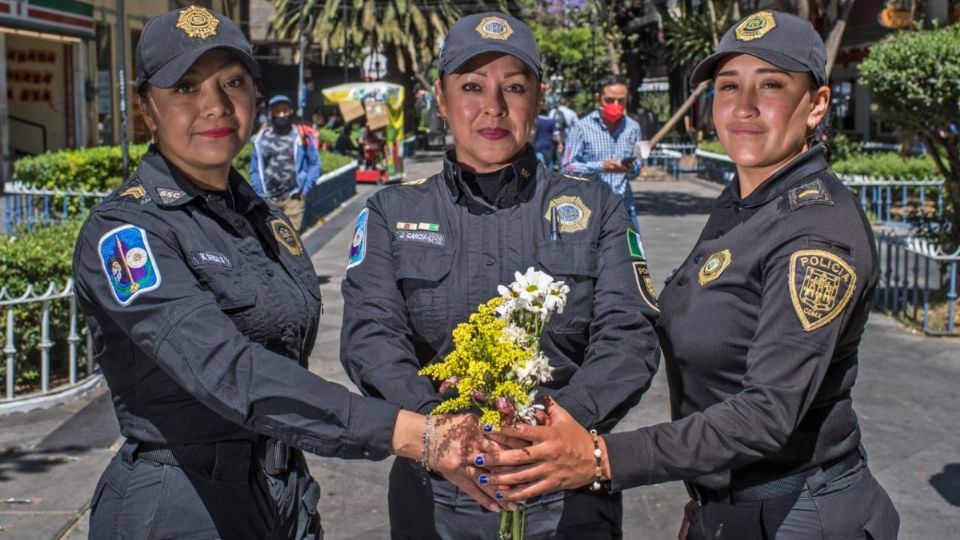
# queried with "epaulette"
point(577, 178)
point(416, 182)
point(813, 192)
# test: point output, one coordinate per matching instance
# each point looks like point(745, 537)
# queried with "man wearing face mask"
point(600, 146)
point(285, 163)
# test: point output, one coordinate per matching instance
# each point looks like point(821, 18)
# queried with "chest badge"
point(572, 214)
point(821, 285)
point(284, 234)
point(715, 265)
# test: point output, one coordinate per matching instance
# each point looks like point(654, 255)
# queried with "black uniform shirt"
point(203, 318)
point(760, 329)
point(426, 254)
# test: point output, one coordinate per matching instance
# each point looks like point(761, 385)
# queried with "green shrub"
point(712, 146)
point(101, 168)
point(38, 257)
point(888, 165)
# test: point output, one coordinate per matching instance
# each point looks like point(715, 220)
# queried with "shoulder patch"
point(128, 263)
point(170, 196)
point(358, 248)
point(821, 285)
point(813, 192)
point(635, 245)
point(645, 284)
point(416, 182)
point(577, 178)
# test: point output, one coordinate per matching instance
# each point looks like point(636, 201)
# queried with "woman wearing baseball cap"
point(428, 252)
point(760, 328)
point(203, 307)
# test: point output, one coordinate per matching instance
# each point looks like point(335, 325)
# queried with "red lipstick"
point(217, 133)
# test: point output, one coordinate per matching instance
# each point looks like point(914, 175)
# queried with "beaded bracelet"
point(427, 428)
point(598, 454)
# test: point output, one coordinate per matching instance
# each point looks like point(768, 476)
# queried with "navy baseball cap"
point(489, 32)
point(786, 41)
point(172, 42)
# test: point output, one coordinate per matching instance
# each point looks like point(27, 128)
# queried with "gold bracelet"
point(598, 454)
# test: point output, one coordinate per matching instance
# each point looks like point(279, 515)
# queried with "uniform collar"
point(518, 181)
point(167, 186)
point(803, 166)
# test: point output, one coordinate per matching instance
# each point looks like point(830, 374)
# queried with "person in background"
point(564, 118)
point(601, 143)
point(545, 138)
point(760, 327)
point(285, 162)
point(345, 145)
point(427, 252)
point(203, 308)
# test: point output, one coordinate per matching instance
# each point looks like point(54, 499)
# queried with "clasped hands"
point(500, 468)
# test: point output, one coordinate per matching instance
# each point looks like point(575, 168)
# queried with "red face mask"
point(612, 112)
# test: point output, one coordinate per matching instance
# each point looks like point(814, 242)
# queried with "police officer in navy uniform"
point(760, 327)
point(203, 307)
point(428, 252)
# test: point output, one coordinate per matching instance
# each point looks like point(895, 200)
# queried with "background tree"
point(408, 32)
point(914, 78)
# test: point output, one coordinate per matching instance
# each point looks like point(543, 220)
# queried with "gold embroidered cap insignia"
point(197, 22)
point(756, 26)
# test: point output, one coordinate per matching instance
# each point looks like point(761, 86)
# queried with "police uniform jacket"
point(203, 310)
point(760, 328)
point(426, 254)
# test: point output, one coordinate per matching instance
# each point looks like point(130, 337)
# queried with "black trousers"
point(137, 498)
point(852, 506)
point(424, 507)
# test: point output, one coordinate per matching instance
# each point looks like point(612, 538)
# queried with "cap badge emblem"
point(756, 26)
point(197, 22)
point(494, 28)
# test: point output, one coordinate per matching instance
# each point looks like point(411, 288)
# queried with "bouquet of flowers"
point(496, 364)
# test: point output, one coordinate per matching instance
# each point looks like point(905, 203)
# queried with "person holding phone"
point(601, 142)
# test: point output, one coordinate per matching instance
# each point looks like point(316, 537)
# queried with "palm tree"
point(407, 31)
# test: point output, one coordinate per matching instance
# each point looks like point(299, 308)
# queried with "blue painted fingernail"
point(488, 428)
point(499, 495)
point(484, 479)
point(479, 461)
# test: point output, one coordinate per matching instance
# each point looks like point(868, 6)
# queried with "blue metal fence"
point(914, 276)
point(28, 207)
point(329, 192)
point(892, 201)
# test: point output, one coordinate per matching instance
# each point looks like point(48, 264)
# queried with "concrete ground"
point(906, 397)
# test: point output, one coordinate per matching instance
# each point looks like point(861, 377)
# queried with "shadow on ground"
point(14, 462)
point(669, 203)
point(947, 483)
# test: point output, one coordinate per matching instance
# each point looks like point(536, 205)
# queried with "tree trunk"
point(836, 34)
point(679, 113)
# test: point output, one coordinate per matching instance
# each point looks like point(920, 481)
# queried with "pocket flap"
point(568, 258)
point(426, 263)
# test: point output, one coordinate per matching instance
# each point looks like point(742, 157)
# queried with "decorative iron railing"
point(28, 207)
point(80, 370)
point(918, 281)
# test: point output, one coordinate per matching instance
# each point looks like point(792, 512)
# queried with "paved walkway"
point(907, 400)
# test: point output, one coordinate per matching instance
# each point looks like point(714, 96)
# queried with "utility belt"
point(224, 459)
point(780, 487)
